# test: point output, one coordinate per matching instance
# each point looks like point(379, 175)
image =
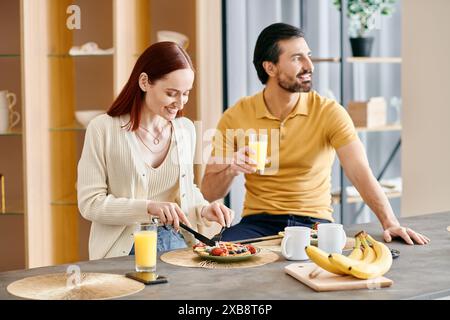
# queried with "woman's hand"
point(168, 213)
point(219, 213)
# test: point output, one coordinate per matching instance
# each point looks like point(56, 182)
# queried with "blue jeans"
point(264, 224)
point(168, 239)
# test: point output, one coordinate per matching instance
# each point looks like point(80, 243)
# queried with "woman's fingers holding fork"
point(218, 212)
point(228, 214)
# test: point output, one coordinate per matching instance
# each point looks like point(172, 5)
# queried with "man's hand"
point(242, 163)
point(220, 172)
point(406, 233)
point(219, 213)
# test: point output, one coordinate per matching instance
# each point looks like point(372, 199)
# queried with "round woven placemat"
point(187, 258)
point(93, 286)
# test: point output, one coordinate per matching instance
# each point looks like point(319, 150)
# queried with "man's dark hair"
point(267, 49)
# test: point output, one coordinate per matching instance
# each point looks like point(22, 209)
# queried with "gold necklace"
point(146, 146)
point(155, 139)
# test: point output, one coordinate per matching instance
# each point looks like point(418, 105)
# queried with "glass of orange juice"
point(258, 143)
point(145, 239)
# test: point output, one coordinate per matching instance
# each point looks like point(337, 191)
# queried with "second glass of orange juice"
point(145, 240)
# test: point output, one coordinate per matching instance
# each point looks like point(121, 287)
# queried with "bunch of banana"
point(376, 261)
point(367, 263)
point(343, 263)
point(377, 268)
point(320, 257)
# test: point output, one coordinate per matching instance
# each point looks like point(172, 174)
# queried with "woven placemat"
point(92, 286)
point(187, 258)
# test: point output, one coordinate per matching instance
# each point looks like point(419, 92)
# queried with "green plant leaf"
point(361, 13)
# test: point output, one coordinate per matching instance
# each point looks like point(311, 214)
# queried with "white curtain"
point(245, 19)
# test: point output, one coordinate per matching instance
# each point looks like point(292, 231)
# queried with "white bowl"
point(85, 116)
point(165, 35)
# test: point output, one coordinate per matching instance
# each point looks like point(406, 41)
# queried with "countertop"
point(421, 272)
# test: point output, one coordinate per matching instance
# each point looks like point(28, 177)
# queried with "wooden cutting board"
point(327, 281)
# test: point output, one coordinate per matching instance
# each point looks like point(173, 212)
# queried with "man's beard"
point(296, 86)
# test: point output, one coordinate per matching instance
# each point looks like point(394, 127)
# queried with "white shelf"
point(72, 127)
point(14, 207)
point(336, 199)
point(11, 133)
point(374, 60)
point(390, 127)
point(331, 59)
point(68, 201)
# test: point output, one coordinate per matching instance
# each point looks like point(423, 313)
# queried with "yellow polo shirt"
point(301, 149)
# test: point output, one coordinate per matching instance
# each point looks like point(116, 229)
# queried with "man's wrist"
point(390, 223)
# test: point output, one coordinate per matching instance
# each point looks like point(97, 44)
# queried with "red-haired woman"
point(137, 160)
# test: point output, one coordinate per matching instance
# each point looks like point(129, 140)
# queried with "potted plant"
point(362, 15)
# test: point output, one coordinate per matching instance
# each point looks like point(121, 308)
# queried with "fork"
point(218, 236)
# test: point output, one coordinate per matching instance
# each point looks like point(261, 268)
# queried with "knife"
point(198, 236)
point(259, 239)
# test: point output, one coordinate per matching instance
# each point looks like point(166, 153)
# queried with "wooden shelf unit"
point(331, 59)
point(14, 207)
point(336, 199)
point(55, 84)
point(12, 158)
point(374, 60)
point(390, 127)
point(73, 127)
point(11, 133)
point(66, 201)
point(67, 55)
point(357, 64)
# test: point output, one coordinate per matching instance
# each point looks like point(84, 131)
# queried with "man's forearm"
point(373, 195)
point(354, 161)
point(216, 184)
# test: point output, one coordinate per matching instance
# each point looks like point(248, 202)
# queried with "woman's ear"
point(143, 82)
point(270, 68)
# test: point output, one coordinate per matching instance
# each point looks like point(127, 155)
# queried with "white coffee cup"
point(294, 242)
point(331, 237)
point(8, 117)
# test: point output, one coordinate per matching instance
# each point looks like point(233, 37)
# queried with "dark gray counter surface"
point(421, 272)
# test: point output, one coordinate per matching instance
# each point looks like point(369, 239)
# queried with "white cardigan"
point(113, 185)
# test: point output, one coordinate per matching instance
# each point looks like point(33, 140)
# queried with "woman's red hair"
point(156, 61)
